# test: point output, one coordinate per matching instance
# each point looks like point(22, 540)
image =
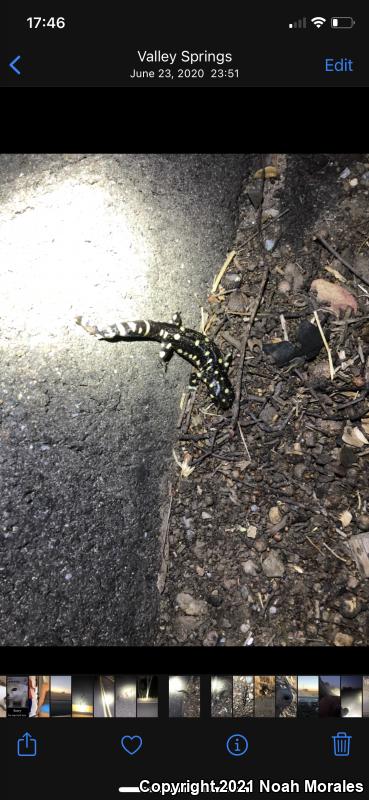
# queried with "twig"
point(265, 225)
point(342, 260)
point(190, 399)
point(331, 367)
point(334, 554)
point(164, 546)
point(349, 403)
point(223, 269)
point(231, 340)
point(236, 406)
point(284, 327)
point(192, 437)
point(314, 545)
point(244, 441)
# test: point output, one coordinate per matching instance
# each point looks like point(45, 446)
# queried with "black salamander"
point(210, 366)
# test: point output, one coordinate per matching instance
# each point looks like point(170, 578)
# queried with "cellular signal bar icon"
point(301, 23)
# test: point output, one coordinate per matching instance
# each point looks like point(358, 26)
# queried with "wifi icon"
point(318, 21)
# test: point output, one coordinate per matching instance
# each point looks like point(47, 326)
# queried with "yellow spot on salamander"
point(177, 336)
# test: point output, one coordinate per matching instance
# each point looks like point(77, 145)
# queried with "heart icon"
point(131, 744)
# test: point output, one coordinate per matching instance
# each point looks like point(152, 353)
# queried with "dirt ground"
point(257, 547)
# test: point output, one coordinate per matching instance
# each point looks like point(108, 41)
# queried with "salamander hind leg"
point(166, 352)
point(194, 380)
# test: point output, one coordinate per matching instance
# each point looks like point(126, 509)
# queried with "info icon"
point(237, 744)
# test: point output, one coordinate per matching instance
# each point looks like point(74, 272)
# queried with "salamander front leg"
point(177, 319)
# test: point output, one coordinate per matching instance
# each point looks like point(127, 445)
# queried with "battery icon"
point(342, 23)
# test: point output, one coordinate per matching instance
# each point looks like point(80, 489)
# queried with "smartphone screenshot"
point(174, 46)
point(184, 439)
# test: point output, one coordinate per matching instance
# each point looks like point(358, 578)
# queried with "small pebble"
point(363, 522)
point(190, 606)
point(349, 606)
point(273, 566)
point(245, 627)
point(352, 582)
point(211, 639)
point(354, 182)
point(274, 515)
point(249, 567)
point(284, 287)
point(310, 438)
point(343, 639)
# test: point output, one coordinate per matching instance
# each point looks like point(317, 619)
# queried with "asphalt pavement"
point(87, 427)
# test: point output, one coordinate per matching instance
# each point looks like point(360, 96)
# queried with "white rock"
point(249, 567)
point(274, 515)
point(273, 566)
point(190, 606)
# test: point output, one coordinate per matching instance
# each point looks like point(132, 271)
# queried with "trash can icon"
point(341, 744)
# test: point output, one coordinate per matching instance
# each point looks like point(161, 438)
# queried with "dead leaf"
point(269, 172)
point(243, 464)
point(345, 518)
point(337, 297)
point(365, 424)
point(186, 470)
point(354, 436)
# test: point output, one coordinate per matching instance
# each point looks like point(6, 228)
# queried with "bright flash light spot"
point(175, 685)
point(217, 685)
point(68, 250)
point(128, 693)
point(81, 708)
